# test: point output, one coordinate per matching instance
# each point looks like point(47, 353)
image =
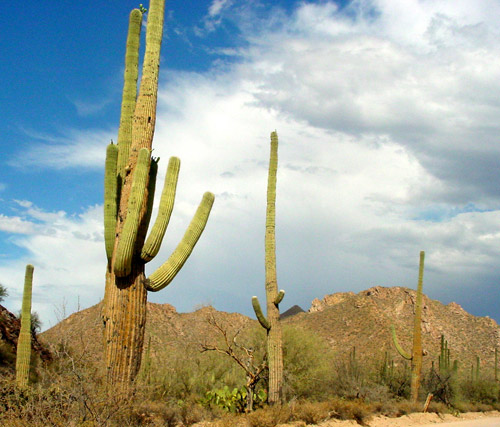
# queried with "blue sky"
point(388, 118)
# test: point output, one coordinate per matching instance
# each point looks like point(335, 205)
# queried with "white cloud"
point(216, 7)
point(69, 260)
point(78, 148)
point(16, 225)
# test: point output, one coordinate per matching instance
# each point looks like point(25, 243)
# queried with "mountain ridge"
point(345, 320)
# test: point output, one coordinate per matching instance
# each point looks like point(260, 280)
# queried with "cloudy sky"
point(388, 116)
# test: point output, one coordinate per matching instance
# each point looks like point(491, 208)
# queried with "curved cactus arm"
point(260, 315)
point(165, 274)
point(279, 297)
point(400, 350)
point(23, 356)
point(110, 198)
point(126, 244)
point(153, 242)
point(129, 93)
point(153, 171)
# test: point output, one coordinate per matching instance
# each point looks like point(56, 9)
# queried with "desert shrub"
point(7, 356)
point(356, 409)
point(269, 416)
point(480, 391)
point(311, 412)
point(443, 386)
point(307, 364)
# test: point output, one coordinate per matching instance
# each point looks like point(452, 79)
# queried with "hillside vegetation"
point(340, 362)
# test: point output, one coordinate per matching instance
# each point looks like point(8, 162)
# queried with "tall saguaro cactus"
point(130, 178)
point(23, 356)
point(273, 297)
point(417, 352)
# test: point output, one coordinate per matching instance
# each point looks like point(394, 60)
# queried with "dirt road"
point(473, 419)
point(482, 422)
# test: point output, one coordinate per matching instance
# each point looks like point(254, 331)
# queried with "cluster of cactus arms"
point(23, 356)
point(417, 352)
point(273, 296)
point(445, 367)
point(130, 178)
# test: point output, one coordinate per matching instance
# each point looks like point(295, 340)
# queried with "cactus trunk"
point(416, 361)
point(130, 175)
point(417, 351)
point(272, 323)
point(23, 357)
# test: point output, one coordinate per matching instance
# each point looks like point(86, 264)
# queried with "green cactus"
point(129, 186)
point(23, 357)
point(445, 366)
point(272, 324)
point(417, 352)
point(496, 363)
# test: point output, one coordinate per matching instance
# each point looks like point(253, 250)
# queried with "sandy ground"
point(418, 419)
point(472, 419)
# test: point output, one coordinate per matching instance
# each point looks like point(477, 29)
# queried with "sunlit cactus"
point(23, 357)
point(417, 352)
point(130, 179)
point(272, 323)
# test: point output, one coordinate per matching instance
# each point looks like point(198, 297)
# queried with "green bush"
point(480, 391)
point(307, 364)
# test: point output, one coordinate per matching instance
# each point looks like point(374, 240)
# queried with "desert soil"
point(470, 419)
point(420, 419)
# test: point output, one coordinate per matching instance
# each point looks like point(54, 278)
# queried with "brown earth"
point(411, 420)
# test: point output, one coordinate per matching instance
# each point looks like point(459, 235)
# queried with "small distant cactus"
point(445, 366)
point(417, 352)
point(272, 323)
point(23, 357)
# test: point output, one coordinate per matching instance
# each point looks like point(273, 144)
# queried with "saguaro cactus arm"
point(165, 274)
point(153, 243)
point(279, 297)
point(23, 356)
point(126, 244)
point(129, 93)
point(400, 349)
point(260, 315)
point(110, 198)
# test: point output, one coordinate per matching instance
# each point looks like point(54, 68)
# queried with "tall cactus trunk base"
point(275, 361)
point(125, 319)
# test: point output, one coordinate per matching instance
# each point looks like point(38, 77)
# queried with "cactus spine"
point(273, 297)
point(417, 353)
point(23, 357)
point(129, 185)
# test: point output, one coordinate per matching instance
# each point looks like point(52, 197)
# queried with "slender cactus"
point(272, 324)
point(496, 363)
point(23, 357)
point(129, 186)
point(416, 353)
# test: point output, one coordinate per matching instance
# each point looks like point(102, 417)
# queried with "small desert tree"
point(3, 292)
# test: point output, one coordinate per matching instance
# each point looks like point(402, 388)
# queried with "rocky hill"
point(363, 320)
point(344, 320)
